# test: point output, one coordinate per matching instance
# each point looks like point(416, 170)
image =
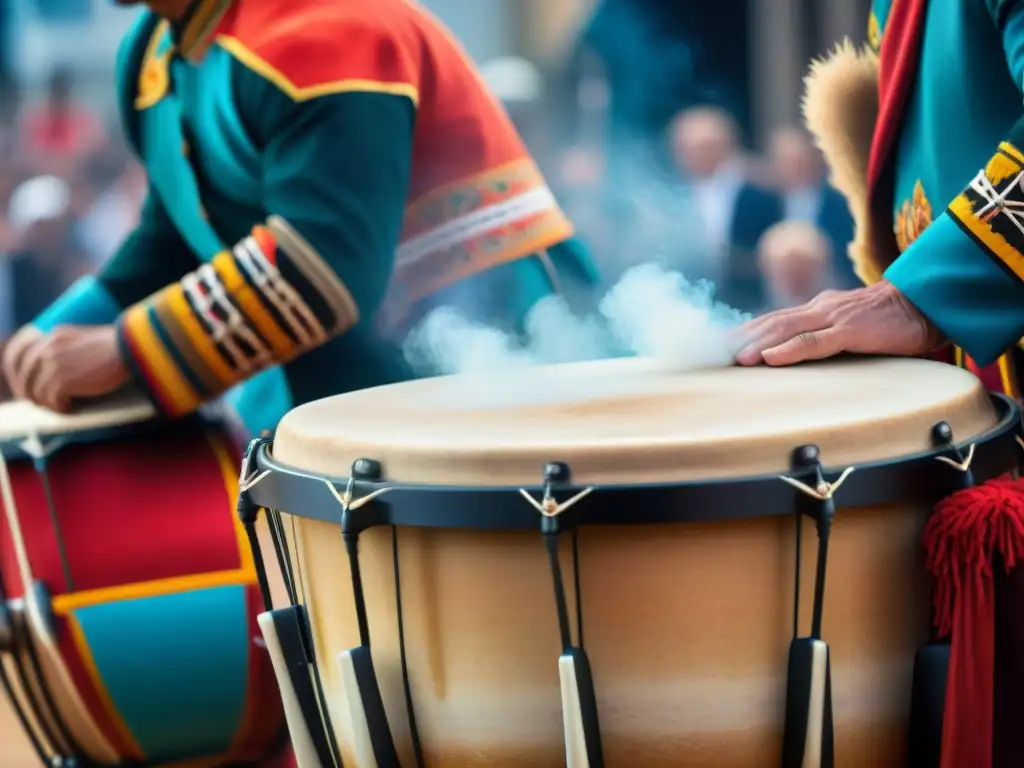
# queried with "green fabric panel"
point(337, 168)
point(152, 257)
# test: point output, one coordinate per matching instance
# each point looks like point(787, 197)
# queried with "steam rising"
point(650, 312)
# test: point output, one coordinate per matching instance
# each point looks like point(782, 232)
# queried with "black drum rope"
point(576, 586)
point(808, 736)
point(414, 731)
point(796, 573)
point(284, 560)
point(51, 508)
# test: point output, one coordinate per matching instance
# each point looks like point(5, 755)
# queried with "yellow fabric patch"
point(991, 208)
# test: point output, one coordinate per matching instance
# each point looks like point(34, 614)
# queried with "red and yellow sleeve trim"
point(991, 209)
point(265, 303)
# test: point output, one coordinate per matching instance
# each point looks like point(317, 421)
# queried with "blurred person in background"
point(519, 86)
point(801, 176)
point(795, 258)
point(581, 184)
point(58, 132)
point(111, 209)
point(734, 211)
point(43, 256)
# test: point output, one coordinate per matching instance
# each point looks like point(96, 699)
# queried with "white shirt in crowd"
point(716, 203)
point(803, 205)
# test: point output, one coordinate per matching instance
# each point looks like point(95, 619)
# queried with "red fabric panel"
point(132, 509)
point(898, 60)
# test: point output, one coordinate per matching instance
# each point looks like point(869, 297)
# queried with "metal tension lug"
point(246, 508)
point(942, 437)
point(555, 474)
point(805, 462)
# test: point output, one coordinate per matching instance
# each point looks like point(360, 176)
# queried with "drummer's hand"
point(69, 362)
point(877, 319)
point(14, 352)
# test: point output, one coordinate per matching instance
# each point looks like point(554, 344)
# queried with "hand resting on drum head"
point(875, 320)
point(69, 363)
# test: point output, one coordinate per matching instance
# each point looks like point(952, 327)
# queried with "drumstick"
point(42, 627)
point(20, 550)
point(808, 738)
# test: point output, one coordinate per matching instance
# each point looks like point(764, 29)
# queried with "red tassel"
point(961, 538)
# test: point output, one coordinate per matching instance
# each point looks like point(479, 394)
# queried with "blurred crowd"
point(69, 193)
point(766, 228)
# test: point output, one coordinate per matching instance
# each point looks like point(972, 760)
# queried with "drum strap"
point(579, 699)
point(358, 675)
point(808, 738)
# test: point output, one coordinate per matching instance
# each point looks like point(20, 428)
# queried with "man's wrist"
point(889, 292)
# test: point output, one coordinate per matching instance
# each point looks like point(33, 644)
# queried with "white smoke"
point(651, 312)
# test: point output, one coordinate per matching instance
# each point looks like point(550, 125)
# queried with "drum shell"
point(159, 627)
point(687, 628)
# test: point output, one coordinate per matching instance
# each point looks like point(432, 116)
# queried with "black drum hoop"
point(921, 477)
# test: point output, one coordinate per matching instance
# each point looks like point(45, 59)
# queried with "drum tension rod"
point(579, 698)
point(808, 738)
point(248, 514)
point(942, 437)
point(931, 661)
point(288, 626)
point(358, 677)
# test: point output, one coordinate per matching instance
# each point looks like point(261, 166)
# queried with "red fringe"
point(961, 538)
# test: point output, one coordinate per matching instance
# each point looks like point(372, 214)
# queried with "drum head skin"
point(630, 421)
point(20, 418)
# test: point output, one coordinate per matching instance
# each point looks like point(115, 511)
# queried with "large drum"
point(603, 563)
point(128, 617)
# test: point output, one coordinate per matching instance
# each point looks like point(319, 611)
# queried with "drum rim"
point(15, 448)
point(270, 484)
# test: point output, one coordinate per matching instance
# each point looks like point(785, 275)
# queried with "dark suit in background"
point(756, 210)
point(835, 221)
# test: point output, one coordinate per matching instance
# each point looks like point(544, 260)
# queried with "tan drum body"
point(687, 626)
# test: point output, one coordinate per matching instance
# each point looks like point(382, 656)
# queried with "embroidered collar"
point(194, 33)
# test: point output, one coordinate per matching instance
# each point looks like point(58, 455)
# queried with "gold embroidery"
point(154, 75)
point(874, 32)
point(913, 217)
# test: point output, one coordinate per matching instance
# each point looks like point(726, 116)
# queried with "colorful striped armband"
point(270, 300)
point(991, 210)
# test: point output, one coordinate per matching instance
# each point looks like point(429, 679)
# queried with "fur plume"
point(840, 108)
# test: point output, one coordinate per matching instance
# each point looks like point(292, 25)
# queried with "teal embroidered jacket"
point(960, 151)
point(295, 218)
